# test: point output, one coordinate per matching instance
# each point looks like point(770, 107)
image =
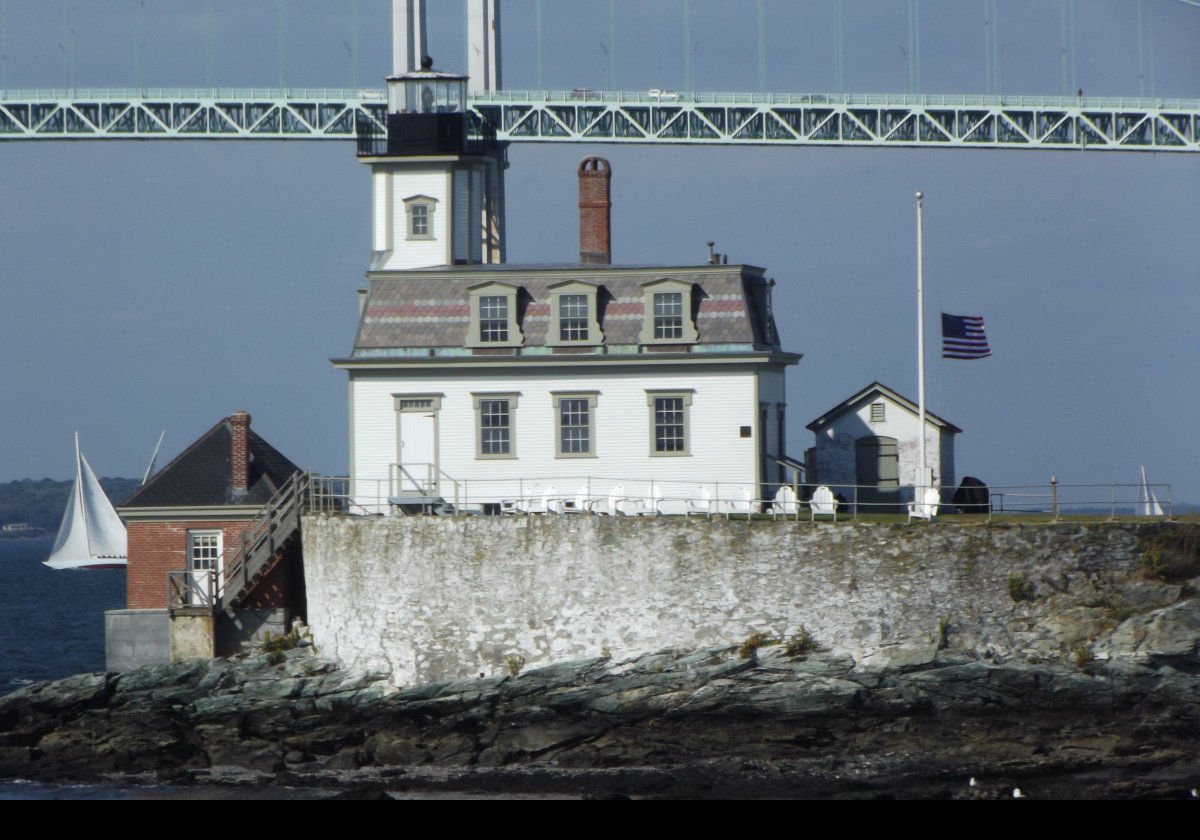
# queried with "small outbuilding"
point(184, 526)
point(868, 449)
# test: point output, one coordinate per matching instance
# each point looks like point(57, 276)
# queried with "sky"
point(162, 285)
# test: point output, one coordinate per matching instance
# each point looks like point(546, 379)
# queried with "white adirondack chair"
point(701, 501)
point(743, 500)
point(822, 503)
point(582, 502)
point(927, 507)
point(785, 502)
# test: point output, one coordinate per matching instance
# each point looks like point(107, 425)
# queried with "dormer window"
point(667, 305)
point(668, 315)
point(572, 318)
point(494, 316)
point(419, 210)
point(573, 315)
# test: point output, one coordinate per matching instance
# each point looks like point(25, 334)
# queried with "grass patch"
point(800, 642)
point(750, 647)
point(1172, 553)
point(1019, 587)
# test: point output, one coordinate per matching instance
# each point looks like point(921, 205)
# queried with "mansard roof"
point(201, 475)
point(430, 307)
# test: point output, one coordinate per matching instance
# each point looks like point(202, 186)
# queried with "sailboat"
point(1149, 505)
point(91, 535)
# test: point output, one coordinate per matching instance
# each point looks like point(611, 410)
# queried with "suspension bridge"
point(650, 117)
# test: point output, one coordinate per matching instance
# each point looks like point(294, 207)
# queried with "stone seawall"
point(429, 599)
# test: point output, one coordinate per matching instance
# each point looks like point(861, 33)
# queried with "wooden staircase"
point(263, 543)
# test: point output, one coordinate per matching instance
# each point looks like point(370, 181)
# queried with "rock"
point(671, 723)
point(1168, 632)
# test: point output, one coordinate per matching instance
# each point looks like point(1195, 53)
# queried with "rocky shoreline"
point(705, 723)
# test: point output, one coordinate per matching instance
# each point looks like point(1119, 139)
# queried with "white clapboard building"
point(545, 387)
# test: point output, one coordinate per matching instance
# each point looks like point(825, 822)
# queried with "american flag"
point(963, 337)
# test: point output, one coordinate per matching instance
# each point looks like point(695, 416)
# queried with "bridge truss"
point(654, 117)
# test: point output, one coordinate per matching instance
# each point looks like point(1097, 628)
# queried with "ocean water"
point(51, 621)
point(52, 626)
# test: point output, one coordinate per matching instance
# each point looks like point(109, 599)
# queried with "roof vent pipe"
point(595, 229)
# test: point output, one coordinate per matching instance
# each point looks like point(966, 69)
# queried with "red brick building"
point(190, 517)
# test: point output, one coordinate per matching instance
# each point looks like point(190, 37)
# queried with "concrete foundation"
point(191, 634)
point(133, 638)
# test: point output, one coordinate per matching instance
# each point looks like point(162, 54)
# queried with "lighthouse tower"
point(436, 179)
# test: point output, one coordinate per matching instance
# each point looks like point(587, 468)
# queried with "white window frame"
point(430, 206)
point(668, 285)
point(510, 399)
point(567, 288)
point(685, 397)
point(476, 296)
point(589, 398)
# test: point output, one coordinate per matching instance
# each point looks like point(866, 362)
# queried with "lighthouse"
point(436, 171)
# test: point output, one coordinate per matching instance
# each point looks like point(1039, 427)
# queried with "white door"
point(204, 567)
point(418, 452)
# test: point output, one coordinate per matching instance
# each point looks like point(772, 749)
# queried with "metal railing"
point(650, 497)
point(267, 534)
point(197, 588)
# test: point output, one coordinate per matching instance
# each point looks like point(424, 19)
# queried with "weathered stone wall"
point(430, 598)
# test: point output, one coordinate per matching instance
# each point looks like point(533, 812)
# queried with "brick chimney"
point(239, 454)
point(595, 231)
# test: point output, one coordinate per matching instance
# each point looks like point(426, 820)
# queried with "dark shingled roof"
point(431, 307)
point(200, 476)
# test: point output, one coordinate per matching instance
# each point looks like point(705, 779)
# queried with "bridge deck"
point(646, 117)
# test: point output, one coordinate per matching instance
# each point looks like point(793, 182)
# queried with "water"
point(52, 626)
point(51, 621)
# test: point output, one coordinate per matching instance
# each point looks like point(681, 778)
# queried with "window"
point(419, 209)
point(573, 314)
point(877, 410)
point(204, 550)
point(575, 419)
point(494, 415)
point(669, 412)
point(667, 305)
point(572, 318)
point(494, 316)
point(668, 315)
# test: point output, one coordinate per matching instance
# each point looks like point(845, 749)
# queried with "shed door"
point(878, 474)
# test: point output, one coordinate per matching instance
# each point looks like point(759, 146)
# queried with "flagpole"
point(924, 475)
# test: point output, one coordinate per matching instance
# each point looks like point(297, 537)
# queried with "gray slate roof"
point(200, 476)
point(430, 307)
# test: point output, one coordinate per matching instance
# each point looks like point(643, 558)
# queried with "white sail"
point(1150, 505)
point(91, 534)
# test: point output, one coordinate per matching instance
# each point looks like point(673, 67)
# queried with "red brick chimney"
point(239, 460)
point(595, 231)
